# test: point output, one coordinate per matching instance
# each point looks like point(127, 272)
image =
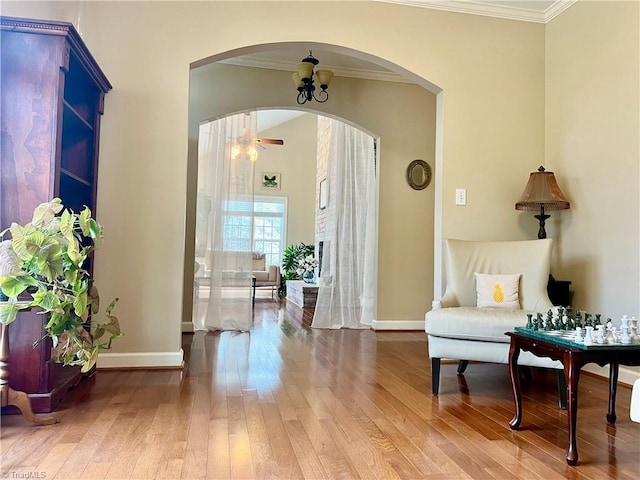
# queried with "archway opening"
point(408, 117)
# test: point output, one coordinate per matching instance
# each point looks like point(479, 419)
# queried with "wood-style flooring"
point(288, 402)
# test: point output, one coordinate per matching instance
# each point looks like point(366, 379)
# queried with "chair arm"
point(274, 274)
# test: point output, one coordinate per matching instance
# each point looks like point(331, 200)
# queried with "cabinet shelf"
point(75, 177)
point(53, 152)
point(76, 115)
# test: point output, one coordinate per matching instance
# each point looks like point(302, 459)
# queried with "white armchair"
point(458, 329)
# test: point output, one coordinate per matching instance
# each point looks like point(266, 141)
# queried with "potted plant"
point(291, 263)
point(41, 266)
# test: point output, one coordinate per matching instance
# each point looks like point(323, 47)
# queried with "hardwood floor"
point(289, 402)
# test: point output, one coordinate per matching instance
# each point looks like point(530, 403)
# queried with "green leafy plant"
point(290, 264)
point(41, 265)
point(291, 258)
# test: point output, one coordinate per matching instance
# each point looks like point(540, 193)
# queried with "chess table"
point(560, 346)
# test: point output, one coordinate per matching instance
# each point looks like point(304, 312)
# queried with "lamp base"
point(542, 217)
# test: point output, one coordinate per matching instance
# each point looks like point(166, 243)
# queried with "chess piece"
point(559, 318)
point(548, 324)
point(611, 333)
point(600, 334)
point(587, 320)
point(568, 324)
point(529, 325)
point(579, 338)
point(588, 336)
point(539, 322)
point(578, 319)
point(597, 320)
point(624, 336)
point(624, 330)
point(633, 330)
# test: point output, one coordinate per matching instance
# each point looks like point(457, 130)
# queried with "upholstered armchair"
point(265, 277)
point(457, 328)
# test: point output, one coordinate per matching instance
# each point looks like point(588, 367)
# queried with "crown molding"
point(338, 71)
point(489, 10)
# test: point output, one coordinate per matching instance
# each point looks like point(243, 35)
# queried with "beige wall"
point(491, 71)
point(592, 144)
point(296, 161)
point(403, 116)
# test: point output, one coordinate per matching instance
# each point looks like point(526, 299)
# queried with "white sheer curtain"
point(347, 287)
point(224, 224)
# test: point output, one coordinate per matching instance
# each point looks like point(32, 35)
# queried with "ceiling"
point(539, 11)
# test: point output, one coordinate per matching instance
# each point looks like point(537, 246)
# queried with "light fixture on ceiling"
point(542, 191)
point(245, 146)
point(303, 79)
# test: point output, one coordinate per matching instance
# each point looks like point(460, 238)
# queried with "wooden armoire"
point(52, 93)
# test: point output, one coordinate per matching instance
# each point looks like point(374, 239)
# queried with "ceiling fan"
point(245, 147)
point(269, 141)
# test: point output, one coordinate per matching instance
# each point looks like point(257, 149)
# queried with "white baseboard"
point(626, 375)
point(141, 360)
point(397, 325)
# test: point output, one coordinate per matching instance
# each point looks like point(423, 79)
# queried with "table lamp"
point(542, 192)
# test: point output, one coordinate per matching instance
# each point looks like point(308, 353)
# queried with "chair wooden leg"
point(435, 375)
point(462, 366)
point(562, 389)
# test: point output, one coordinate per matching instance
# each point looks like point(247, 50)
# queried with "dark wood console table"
point(573, 356)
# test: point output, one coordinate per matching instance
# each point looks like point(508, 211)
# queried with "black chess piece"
point(548, 325)
point(578, 322)
point(597, 321)
point(539, 322)
point(587, 320)
point(529, 325)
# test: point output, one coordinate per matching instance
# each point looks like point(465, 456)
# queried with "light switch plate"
point(461, 196)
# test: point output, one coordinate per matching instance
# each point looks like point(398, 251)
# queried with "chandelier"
point(303, 79)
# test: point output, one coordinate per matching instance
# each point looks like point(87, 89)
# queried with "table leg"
point(253, 291)
point(613, 385)
point(572, 376)
point(514, 353)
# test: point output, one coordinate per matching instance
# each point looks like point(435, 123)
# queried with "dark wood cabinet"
point(52, 93)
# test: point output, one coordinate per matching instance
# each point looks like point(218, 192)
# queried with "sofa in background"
point(458, 329)
point(265, 276)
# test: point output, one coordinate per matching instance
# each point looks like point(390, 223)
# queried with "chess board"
point(567, 339)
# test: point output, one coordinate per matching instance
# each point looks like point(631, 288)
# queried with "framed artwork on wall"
point(270, 181)
point(322, 197)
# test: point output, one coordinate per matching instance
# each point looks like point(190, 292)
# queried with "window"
point(269, 226)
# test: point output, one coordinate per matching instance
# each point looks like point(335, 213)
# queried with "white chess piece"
point(625, 339)
point(600, 336)
point(611, 334)
point(633, 329)
point(624, 321)
point(588, 336)
point(579, 338)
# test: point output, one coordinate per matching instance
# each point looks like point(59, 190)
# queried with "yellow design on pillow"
point(497, 290)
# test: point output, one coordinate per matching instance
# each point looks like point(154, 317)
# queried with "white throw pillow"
point(499, 291)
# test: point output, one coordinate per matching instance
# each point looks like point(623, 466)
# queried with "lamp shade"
point(296, 80)
point(542, 190)
point(324, 77)
point(304, 70)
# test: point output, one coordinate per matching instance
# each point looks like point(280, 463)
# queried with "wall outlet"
point(461, 196)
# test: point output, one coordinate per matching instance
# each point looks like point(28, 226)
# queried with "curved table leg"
point(22, 401)
point(613, 385)
point(572, 376)
point(514, 353)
